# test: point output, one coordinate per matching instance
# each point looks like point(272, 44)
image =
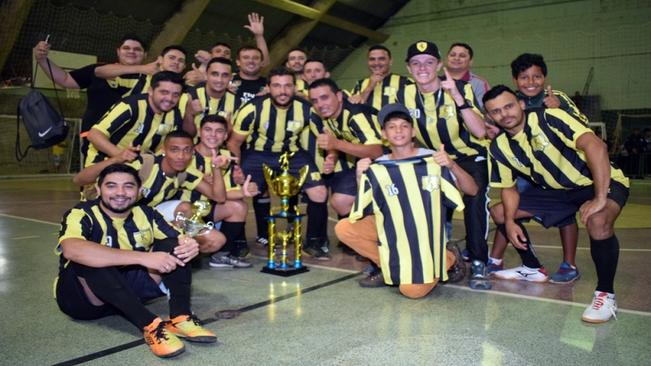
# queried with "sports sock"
point(605, 254)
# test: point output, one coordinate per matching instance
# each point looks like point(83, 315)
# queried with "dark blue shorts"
point(252, 164)
point(343, 182)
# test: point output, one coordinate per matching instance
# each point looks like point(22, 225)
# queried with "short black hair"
point(495, 91)
point(297, 49)
point(379, 47)
point(249, 48)
point(178, 134)
point(219, 60)
point(316, 60)
point(213, 118)
point(280, 71)
point(174, 47)
point(464, 45)
point(525, 61)
point(118, 168)
point(400, 115)
point(221, 44)
point(170, 76)
point(325, 82)
point(132, 37)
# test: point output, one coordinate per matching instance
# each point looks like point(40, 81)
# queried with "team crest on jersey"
point(223, 114)
point(517, 162)
point(392, 190)
point(140, 128)
point(266, 125)
point(294, 125)
point(539, 142)
point(315, 176)
point(430, 183)
point(390, 91)
point(164, 129)
point(145, 191)
point(143, 237)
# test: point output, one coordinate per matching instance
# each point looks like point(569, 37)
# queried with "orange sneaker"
point(188, 327)
point(161, 341)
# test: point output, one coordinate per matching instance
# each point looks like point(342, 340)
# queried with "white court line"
point(499, 293)
point(25, 237)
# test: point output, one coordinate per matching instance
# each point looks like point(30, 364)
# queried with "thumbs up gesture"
point(551, 101)
point(327, 140)
point(442, 158)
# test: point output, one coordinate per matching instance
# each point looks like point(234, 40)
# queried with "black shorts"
point(558, 207)
point(252, 164)
point(72, 300)
point(343, 182)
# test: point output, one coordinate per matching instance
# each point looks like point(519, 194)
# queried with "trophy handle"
point(269, 175)
point(302, 175)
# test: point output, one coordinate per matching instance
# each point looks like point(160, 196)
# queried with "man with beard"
point(164, 175)
point(211, 97)
point(268, 127)
point(562, 157)
point(116, 254)
point(140, 121)
point(381, 87)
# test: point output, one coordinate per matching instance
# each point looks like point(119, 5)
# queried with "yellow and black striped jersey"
point(544, 152)
point(226, 106)
point(204, 164)
point(384, 93)
point(438, 121)
point(409, 198)
point(158, 187)
point(357, 124)
point(138, 231)
point(566, 103)
point(270, 128)
point(132, 121)
point(301, 87)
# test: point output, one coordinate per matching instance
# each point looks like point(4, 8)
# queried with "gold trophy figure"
point(195, 226)
point(285, 186)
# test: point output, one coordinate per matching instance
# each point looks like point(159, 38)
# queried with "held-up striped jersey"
point(409, 198)
point(544, 152)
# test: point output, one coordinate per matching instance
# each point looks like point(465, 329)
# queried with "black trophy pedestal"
point(285, 272)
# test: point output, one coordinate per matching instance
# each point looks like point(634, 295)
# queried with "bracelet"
point(465, 105)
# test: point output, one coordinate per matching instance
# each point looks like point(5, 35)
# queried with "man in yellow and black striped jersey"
point(561, 156)
point(116, 253)
point(212, 96)
point(529, 76)
point(382, 86)
point(446, 116)
point(345, 133)
point(269, 126)
point(164, 175)
point(296, 58)
point(233, 211)
point(140, 121)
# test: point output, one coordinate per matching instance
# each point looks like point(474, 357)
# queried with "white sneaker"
point(603, 307)
point(522, 273)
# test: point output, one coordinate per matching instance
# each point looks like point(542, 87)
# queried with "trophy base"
point(288, 272)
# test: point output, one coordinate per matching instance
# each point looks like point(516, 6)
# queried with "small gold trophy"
point(285, 186)
point(195, 226)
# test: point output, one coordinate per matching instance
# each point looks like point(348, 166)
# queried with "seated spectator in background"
point(116, 253)
point(635, 146)
point(401, 204)
point(459, 61)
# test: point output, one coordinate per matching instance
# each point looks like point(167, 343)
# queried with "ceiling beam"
point(314, 14)
point(295, 33)
point(177, 27)
point(13, 14)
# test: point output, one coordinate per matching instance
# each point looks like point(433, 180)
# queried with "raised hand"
point(41, 50)
point(256, 24)
point(551, 100)
point(250, 189)
point(202, 56)
point(450, 86)
point(195, 107)
point(128, 154)
point(327, 140)
point(152, 67)
point(329, 163)
point(442, 158)
point(362, 166)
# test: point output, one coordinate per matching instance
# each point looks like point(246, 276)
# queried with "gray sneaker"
point(479, 277)
point(224, 261)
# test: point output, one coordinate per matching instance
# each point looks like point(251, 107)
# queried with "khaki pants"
point(362, 237)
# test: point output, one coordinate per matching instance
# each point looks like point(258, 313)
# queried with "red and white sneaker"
point(603, 307)
point(522, 273)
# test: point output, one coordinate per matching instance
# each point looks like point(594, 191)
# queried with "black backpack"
point(44, 125)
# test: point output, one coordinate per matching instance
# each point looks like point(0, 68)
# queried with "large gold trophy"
point(194, 225)
point(285, 186)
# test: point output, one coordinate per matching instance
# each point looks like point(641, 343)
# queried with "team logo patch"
point(389, 91)
point(421, 46)
point(143, 237)
point(517, 161)
point(294, 125)
point(539, 142)
point(164, 129)
point(315, 176)
point(145, 191)
point(140, 128)
point(430, 183)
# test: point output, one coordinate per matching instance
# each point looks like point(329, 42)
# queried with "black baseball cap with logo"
point(423, 48)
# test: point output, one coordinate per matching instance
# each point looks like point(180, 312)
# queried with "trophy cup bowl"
point(194, 225)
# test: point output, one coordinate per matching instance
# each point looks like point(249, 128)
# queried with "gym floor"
point(323, 317)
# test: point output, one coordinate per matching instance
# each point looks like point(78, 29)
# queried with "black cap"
point(423, 48)
point(392, 108)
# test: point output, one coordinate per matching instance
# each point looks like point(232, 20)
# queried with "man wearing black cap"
point(407, 189)
point(447, 118)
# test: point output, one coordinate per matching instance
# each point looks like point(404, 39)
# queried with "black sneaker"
point(374, 279)
point(313, 248)
point(457, 272)
point(346, 249)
